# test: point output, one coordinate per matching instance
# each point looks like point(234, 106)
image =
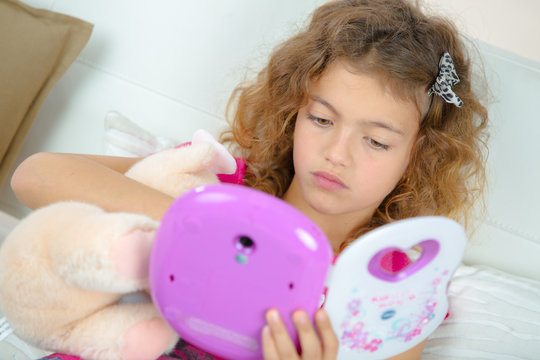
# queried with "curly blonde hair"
point(396, 41)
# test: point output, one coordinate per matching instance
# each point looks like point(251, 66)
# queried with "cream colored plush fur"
point(65, 267)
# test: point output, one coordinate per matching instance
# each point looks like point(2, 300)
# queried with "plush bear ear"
point(223, 162)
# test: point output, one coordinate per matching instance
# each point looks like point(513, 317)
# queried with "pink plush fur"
point(65, 267)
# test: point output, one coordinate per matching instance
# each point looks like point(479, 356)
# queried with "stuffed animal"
point(65, 268)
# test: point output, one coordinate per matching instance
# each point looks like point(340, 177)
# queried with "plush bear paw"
point(148, 340)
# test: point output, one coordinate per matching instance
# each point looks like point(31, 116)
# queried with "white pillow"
point(123, 137)
point(12, 347)
point(493, 315)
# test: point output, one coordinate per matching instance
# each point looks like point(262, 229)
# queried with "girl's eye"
point(377, 145)
point(320, 121)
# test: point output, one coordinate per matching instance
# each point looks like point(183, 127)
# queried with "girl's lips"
point(328, 181)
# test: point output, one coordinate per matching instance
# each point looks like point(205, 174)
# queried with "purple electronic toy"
point(225, 254)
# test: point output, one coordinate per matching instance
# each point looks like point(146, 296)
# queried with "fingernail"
point(321, 315)
point(266, 330)
point(273, 316)
point(301, 317)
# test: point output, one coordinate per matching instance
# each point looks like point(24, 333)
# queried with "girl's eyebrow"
point(320, 100)
point(383, 125)
point(373, 123)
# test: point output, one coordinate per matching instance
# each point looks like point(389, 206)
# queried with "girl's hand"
point(321, 343)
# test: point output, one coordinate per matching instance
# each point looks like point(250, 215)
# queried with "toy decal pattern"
point(400, 327)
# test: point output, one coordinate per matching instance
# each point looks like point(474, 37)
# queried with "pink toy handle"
point(430, 249)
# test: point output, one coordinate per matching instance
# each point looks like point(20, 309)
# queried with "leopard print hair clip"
point(446, 78)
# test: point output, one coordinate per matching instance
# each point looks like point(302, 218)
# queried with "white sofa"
point(169, 66)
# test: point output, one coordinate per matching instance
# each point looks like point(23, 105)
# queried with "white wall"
point(509, 24)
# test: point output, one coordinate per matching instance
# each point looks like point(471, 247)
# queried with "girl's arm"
point(412, 354)
point(45, 178)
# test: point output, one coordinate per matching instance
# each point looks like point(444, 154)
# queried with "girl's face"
point(352, 144)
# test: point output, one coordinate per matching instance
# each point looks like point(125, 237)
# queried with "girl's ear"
point(223, 162)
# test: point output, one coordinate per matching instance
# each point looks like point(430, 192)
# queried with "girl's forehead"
point(340, 74)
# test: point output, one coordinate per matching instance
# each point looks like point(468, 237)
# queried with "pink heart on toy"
point(394, 261)
point(393, 264)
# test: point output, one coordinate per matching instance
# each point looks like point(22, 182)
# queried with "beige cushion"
point(36, 47)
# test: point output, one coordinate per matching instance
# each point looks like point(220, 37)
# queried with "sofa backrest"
point(509, 236)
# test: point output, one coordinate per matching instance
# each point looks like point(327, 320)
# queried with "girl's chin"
point(326, 207)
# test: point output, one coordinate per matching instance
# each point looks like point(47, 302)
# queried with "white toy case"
point(377, 313)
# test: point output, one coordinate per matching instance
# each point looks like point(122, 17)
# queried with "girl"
point(365, 117)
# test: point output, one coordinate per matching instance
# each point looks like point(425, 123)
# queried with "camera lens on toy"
point(246, 241)
point(245, 244)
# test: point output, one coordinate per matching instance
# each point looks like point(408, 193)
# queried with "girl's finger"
point(330, 342)
point(309, 340)
point(270, 351)
point(283, 343)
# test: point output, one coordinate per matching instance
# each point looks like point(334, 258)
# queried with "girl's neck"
point(336, 227)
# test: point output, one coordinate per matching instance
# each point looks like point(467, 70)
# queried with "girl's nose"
point(338, 149)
